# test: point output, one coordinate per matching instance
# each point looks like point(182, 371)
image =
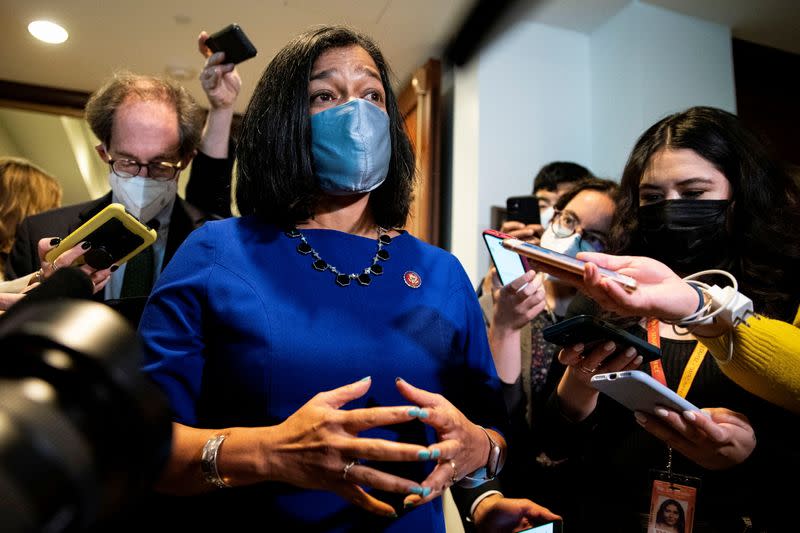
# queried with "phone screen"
point(509, 264)
point(550, 527)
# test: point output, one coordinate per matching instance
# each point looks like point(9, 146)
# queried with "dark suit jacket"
point(24, 256)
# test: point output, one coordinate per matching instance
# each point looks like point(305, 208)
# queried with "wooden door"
point(419, 104)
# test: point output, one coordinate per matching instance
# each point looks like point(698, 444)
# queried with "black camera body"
point(83, 433)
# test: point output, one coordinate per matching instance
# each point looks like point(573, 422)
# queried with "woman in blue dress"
point(327, 371)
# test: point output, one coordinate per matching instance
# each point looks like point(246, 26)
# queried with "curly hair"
point(276, 172)
point(766, 198)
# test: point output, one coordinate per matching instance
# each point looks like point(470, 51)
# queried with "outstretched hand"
point(497, 514)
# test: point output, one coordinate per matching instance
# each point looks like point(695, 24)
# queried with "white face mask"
point(144, 198)
point(566, 245)
point(546, 215)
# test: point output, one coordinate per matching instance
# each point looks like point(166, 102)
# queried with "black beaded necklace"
point(343, 280)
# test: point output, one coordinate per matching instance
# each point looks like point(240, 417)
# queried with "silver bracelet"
point(208, 462)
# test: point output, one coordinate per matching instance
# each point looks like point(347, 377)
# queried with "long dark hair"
point(276, 173)
point(766, 196)
point(681, 525)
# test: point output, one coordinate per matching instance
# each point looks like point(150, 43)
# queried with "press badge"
point(672, 502)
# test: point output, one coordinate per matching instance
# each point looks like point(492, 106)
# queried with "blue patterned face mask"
point(351, 147)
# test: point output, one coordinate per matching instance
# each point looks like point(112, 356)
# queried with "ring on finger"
point(347, 468)
point(38, 276)
point(587, 370)
point(454, 476)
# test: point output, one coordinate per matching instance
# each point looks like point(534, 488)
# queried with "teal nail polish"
point(367, 378)
point(435, 453)
point(423, 413)
point(414, 411)
point(417, 490)
point(425, 491)
point(424, 455)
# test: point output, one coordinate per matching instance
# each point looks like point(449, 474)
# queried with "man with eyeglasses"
point(149, 130)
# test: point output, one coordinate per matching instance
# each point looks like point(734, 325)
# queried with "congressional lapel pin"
point(412, 279)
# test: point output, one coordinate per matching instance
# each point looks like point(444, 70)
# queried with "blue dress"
point(240, 330)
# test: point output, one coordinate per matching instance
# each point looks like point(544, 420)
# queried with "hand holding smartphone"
point(234, 42)
point(640, 392)
point(564, 264)
point(523, 209)
point(590, 331)
point(509, 265)
point(115, 235)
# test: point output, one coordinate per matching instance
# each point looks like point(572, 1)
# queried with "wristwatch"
point(485, 473)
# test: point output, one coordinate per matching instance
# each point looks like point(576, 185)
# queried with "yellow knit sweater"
point(766, 359)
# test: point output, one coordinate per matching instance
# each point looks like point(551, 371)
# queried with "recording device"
point(509, 265)
point(562, 264)
point(115, 235)
point(82, 433)
point(640, 392)
point(523, 209)
point(233, 41)
point(592, 331)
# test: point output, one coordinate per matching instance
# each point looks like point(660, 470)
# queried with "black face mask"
point(686, 235)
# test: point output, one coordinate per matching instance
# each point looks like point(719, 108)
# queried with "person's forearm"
point(239, 459)
point(505, 346)
point(576, 401)
point(217, 132)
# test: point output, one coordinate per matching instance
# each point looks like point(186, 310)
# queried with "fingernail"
point(660, 411)
point(414, 411)
point(578, 348)
point(406, 505)
point(423, 413)
point(688, 415)
point(630, 352)
point(640, 417)
point(86, 245)
point(398, 379)
point(638, 360)
point(114, 268)
point(393, 515)
point(609, 346)
point(425, 491)
point(435, 453)
point(420, 491)
point(365, 378)
point(424, 455)
point(54, 241)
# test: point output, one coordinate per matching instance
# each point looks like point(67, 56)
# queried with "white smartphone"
point(510, 265)
point(563, 262)
point(639, 391)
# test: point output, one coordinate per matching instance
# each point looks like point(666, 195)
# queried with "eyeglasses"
point(159, 171)
point(565, 224)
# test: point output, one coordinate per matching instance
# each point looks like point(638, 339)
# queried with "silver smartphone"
point(639, 391)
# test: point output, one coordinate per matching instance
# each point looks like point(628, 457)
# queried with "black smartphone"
point(591, 331)
point(234, 42)
point(523, 209)
point(509, 265)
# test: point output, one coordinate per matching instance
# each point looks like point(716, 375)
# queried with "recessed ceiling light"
point(47, 31)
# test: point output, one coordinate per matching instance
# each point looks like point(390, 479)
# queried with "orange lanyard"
point(689, 372)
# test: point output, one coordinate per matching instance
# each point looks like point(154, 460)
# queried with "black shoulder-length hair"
point(275, 177)
point(764, 217)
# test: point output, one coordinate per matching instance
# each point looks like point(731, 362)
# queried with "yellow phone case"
point(115, 235)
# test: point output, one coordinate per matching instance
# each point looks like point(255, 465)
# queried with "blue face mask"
point(351, 147)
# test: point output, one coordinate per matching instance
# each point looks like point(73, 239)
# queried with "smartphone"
point(639, 391)
point(234, 42)
point(550, 527)
point(115, 236)
point(523, 209)
point(509, 265)
point(565, 263)
point(591, 331)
